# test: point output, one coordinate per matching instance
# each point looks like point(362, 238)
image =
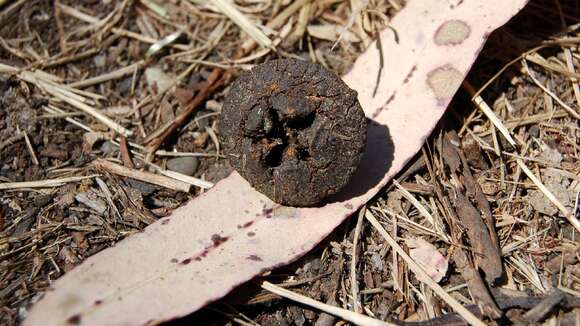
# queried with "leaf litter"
point(46, 232)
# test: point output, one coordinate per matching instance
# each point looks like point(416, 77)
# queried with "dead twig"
point(148, 177)
point(215, 80)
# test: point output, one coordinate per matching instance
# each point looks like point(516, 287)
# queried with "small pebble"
point(108, 148)
point(92, 200)
point(377, 261)
point(157, 79)
point(185, 165)
point(100, 60)
point(534, 131)
point(144, 188)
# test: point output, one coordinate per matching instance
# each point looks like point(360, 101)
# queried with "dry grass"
point(482, 191)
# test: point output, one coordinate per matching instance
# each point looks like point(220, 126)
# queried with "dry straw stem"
point(185, 178)
point(567, 214)
point(415, 202)
point(42, 183)
point(55, 110)
point(422, 275)
point(30, 149)
point(47, 83)
point(7, 12)
point(574, 80)
point(546, 44)
point(241, 20)
point(528, 120)
point(155, 179)
point(119, 73)
point(347, 315)
point(552, 95)
point(484, 107)
point(276, 23)
point(353, 282)
point(91, 111)
point(70, 11)
point(358, 7)
point(541, 61)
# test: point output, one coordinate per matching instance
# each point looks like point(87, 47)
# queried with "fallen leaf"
point(428, 257)
point(231, 233)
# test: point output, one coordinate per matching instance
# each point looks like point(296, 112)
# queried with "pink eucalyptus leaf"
point(428, 257)
point(232, 233)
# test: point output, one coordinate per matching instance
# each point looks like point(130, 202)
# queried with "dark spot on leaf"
point(186, 261)
point(384, 106)
point(410, 74)
point(453, 6)
point(254, 258)
point(98, 302)
point(74, 320)
point(348, 206)
point(248, 224)
point(164, 222)
point(452, 32)
point(251, 234)
point(174, 260)
point(218, 240)
point(444, 82)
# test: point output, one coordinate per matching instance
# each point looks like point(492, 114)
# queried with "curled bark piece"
point(480, 237)
point(472, 277)
point(542, 309)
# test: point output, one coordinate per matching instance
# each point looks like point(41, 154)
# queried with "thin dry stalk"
point(484, 107)
point(155, 179)
point(552, 95)
point(46, 83)
point(30, 149)
point(415, 202)
point(353, 281)
point(573, 80)
point(422, 275)
point(188, 179)
point(567, 214)
point(214, 80)
point(119, 73)
point(347, 315)
point(243, 22)
point(42, 183)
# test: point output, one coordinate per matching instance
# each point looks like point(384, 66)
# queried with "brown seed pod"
point(294, 130)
